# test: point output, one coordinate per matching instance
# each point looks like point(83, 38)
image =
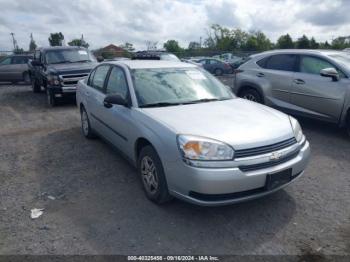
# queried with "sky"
point(136, 21)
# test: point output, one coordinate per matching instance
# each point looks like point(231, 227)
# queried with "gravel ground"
point(99, 207)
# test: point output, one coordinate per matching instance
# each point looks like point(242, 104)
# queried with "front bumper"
point(60, 91)
point(223, 186)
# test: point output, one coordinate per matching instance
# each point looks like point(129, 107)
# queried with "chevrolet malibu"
point(188, 135)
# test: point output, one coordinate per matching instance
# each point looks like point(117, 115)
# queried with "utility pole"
point(15, 47)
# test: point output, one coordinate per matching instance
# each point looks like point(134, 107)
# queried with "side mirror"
point(100, 59)
point(36, 63)
point(330, 72)
point(111, 100)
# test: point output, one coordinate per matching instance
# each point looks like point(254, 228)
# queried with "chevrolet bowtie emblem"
point(275, 155)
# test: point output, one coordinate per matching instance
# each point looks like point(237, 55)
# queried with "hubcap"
point(250, 97)
point(85, 123)
point(149, 175)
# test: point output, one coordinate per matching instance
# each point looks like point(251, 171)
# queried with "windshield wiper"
point(161, 104)
point(61, 62)
point(81, 61)
point(203, 100)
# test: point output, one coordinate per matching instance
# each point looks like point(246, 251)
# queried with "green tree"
point(194, 46)
point(78, 42)
point(325, 45)
point(285, 42)
point(128, 47)
point(341, 42)
point(32, 44)
point(172, 46)
point(56, 39)
point(314, 44)
point(303, 42)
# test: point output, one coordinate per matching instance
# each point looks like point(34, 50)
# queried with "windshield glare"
point(176, 85)
point(170, 57)
point(67, 56)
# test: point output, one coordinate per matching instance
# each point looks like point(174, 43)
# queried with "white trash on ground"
point(36, 212)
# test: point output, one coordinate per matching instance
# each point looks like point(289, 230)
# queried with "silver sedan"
point(188, 135)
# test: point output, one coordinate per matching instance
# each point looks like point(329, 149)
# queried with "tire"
point(35, 86)
point(85, 124)
point(51, 99)
point(218, 72)
point(348, 124)
point(152, 176)
point(26, 78)
point(251, 95)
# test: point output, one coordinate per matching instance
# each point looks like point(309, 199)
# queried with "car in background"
point(311, 83)
point(192, 62)
point(58, 70)
point(215, 66)
point(228, 58)
point(155, 55)
point(188, 135)
point(14, 68)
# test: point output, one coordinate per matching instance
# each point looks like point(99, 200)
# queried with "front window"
point(68, 56)
point(171, 86)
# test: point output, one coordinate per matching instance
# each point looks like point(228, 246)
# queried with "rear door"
point(5, 69)
point(95, 94)
point(275, 75)
point(315, 95)
point(19, 66)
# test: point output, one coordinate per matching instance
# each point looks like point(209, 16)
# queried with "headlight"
point(201, 148)
point(53, 80)
point(298, 132)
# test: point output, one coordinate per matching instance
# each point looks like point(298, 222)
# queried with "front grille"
point(72, 79)
point(265, 149)
point(269, 164)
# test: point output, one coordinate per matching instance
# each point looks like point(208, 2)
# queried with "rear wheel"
point(251, 95)
point(85, 124)
point(152, 176)
point(26, 78)
point(35, 86)
point(218, 72)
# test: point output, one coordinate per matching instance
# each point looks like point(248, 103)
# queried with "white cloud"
point(107, 21)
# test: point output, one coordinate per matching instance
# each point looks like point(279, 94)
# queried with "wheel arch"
point(248, 85)
point(140, 143)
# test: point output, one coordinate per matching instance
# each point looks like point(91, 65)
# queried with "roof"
point(300, 51)
point(138, 64)
point(60, 47)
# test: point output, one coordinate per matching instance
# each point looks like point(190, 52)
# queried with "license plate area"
point(278, 179)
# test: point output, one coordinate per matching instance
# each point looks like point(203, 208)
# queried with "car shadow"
point(99, 202)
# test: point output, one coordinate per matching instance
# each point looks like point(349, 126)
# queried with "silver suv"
point(311, 83)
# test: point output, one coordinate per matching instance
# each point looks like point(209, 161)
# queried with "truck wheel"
point(51, 99)
point(85, 124)
point(35, 86)
point(251, 95)
point(26, 78)
point(152, 176)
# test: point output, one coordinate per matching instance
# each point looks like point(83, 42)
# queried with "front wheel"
point(218, 72)
point(251, 95)
point(51, 99)
point(152, 176)
point(35, 86)
point(26, 78)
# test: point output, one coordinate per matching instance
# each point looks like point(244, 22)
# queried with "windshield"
point(68, 56)
point(342, 59)
point(169, 57)
point(177, 86)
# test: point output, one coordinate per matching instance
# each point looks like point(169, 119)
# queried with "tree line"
point(218, 39)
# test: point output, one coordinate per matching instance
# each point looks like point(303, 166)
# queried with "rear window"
point(283, 62)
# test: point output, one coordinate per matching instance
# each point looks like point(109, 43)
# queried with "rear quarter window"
point(282, 62)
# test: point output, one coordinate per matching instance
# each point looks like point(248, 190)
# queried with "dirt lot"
point(99, 207)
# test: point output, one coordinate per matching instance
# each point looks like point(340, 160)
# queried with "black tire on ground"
point(35, 86)
point(85, 125)
point(152, 176)
point(51, 99)
point(252, 95)
point(218, 72)
point(26, 78)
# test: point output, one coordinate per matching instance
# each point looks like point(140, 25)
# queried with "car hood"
point(237, 122)
point(71, 67)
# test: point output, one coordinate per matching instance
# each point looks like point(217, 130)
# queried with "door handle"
point(107, 105)
point(260, 74)
point(299, 81)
